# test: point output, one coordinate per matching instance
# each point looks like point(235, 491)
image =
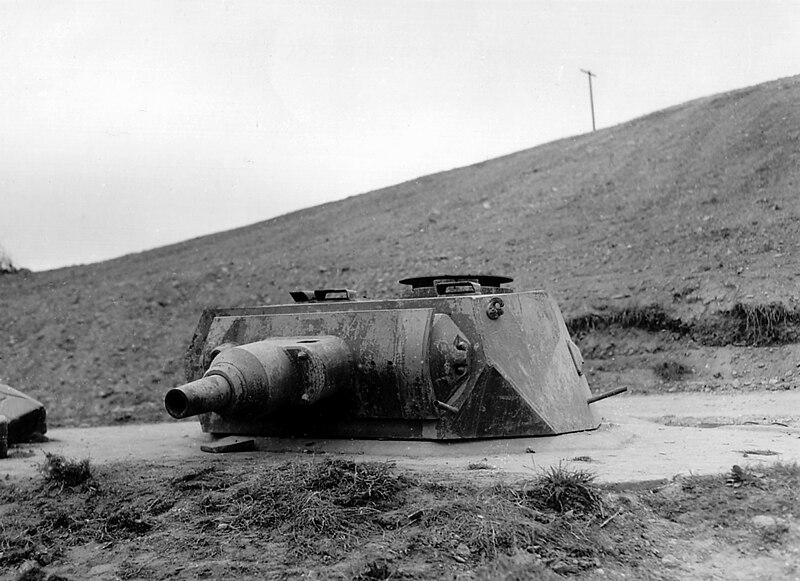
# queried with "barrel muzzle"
point(210, 393)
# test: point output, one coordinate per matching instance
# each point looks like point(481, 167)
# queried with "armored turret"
point(460, 356)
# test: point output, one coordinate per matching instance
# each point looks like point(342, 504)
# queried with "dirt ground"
point(672, 504)
point(308, 519)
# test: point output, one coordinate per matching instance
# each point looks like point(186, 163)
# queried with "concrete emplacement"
point(641, 439)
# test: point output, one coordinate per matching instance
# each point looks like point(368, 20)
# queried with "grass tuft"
point(334, 497)
point(769, 324)
point(563, 489)
point(482, 526)
point(349, 484)
point(551, 518)
point(65, 471)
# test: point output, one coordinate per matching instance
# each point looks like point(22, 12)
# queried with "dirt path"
point(642, 438)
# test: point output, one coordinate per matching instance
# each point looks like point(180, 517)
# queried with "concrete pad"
point(642, 438)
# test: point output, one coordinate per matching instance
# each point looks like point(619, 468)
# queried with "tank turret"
point(461, 356)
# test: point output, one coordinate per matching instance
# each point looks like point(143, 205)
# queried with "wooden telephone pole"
point(590, 74)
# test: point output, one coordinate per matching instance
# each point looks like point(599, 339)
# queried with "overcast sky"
point(134, 124)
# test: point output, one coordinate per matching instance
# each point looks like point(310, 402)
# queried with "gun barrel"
point(209, 393)
point(257, 378)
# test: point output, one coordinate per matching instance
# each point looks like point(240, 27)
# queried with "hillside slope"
point(694, 208)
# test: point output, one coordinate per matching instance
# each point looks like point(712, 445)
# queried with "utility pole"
point(590, 74)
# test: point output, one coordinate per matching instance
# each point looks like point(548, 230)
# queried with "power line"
point(590, 74)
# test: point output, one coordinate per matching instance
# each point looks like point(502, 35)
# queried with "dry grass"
point(743, 324)
point(325, 508)
point(769, 324)
point(564, 489)
point(552, 518)
point(338, 498)
point(352, 520)
point(63, 471)
point(651, 318)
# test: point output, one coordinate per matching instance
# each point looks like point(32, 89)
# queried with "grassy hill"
point(691, 212)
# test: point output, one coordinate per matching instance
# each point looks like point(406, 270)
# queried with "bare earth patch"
point(325, 518)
